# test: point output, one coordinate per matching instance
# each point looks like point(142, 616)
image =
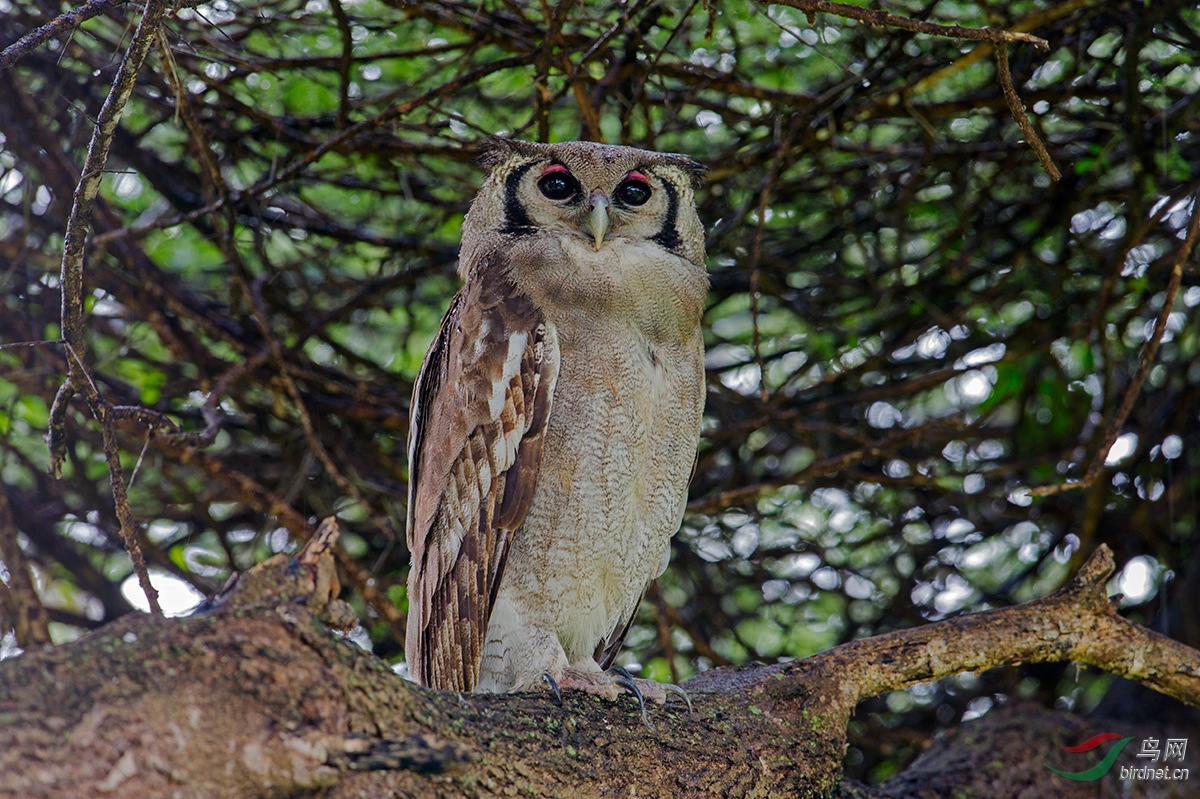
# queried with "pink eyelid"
point(555, 169)
point(635, 175)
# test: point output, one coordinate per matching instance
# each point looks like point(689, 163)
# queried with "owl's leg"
point(586, 675)
point(519, 653)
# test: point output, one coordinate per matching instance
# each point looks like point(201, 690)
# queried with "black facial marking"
point(516, 221)
point(668, 237)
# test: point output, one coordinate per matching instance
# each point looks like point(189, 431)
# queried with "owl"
point(555, 419)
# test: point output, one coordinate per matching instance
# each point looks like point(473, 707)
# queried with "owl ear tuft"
point(695, 170)
point(492, 151)
point(496, 149)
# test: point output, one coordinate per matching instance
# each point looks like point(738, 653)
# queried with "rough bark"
point(255, 696)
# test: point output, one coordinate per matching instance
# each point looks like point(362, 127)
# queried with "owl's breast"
point(619, 448)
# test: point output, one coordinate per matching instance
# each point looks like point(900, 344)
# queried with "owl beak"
point(597, 220)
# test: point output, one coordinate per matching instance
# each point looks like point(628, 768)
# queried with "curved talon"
point(624, 679)
point(553, 688)
point(672, 688)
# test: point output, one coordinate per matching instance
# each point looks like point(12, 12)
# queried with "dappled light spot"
point(1137, 582)
point(176, 597)
point(1121, 449)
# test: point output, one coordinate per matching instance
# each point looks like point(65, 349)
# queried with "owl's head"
point(594, 193)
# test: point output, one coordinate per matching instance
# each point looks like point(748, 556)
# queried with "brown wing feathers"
point(480, 408)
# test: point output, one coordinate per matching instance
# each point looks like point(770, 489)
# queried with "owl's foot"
point(624, 679)
point(672, 688)
point(609, 684)
point(546, 678)
point(649, 689)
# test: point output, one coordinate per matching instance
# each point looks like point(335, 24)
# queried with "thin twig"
point(543, 97)
point(306, 421)
point(345, 62)
point(1113, 430)
point(764, 202)
point(315, 154)
point(79, 380)
point(31, 344)
point(1017, 109)
point(141, 456)
point(746, 494)
point(254, 492)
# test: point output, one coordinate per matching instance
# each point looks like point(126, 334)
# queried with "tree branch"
point(1000, 38)
point(55, 27)
point(314, 712)
point(883, 19)
point(1078, 623)
point(29, 621)
point(79, 380)
point(1017, 109)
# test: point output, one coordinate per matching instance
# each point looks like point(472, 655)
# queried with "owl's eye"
point(557, 184)
point(633, 192)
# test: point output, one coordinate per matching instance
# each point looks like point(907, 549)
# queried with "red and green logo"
point(1100, 769)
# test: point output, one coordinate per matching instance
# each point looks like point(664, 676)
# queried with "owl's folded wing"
point(478, 418)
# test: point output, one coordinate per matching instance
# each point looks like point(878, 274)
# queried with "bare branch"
point(1017, 108)
point(329, 145)
point(79, 380)
point(884, 19)
point(29, 619)
point(55, 27)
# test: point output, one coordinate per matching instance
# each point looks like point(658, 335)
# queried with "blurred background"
point(911, 327)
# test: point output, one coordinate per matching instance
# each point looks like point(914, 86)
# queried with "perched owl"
point(555, 418)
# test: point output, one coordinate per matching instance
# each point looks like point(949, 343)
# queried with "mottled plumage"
point(556, 417)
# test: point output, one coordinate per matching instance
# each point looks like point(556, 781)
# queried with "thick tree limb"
point(142, 707)
point(1078, 623)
